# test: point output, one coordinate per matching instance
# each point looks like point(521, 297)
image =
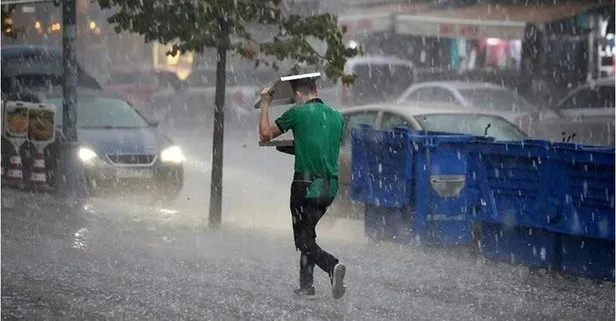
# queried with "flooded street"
point(131, 259)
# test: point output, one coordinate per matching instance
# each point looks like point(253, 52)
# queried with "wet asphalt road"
point(130, 259)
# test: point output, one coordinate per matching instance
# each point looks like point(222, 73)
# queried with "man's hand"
point(267, 95)
point(267, 131)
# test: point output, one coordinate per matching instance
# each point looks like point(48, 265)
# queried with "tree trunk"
point(70, 179)
point(215, 217)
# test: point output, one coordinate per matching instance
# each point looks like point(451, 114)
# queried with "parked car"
point(437, 117)
point(379, 79)
point(139, 86)
point(480, 95)
point(587, 114)
point(28, 66)
point(120, 149)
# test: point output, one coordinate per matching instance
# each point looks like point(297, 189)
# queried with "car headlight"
point(172, 155)
point(87, 155)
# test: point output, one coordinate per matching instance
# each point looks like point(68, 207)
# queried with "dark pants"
point(306, 213)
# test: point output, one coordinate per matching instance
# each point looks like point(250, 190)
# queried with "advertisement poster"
point(41, 126)
point(15, 121)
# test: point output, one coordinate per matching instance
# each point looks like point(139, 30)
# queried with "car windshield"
point(471, 124)
point(101, 112)
point(497, 99)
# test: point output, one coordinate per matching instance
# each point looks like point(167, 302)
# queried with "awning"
point(376, 19)
point(356, 24)
point(486, 21)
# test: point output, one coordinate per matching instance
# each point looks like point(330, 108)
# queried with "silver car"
point(419, 117)
point(480, 95)
point(587, 114)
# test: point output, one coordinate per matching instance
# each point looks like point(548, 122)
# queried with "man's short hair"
point(304, 86)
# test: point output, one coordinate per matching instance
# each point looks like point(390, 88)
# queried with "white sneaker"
point(338, 288)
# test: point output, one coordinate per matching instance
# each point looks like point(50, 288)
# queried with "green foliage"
point(194, 25)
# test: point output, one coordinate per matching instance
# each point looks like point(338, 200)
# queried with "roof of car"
point(16, 62)
point(16, 51)
point(57, 92)
point(421, 108)
point(460, 84)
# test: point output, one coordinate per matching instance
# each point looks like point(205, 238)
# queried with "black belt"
point(297, 176)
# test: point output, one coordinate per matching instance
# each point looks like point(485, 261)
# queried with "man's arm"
point(267, 130)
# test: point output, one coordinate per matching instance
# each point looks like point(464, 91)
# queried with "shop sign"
point(458, 29)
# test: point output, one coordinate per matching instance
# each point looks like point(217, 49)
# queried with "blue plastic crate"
point(475, 179)
point(381, 167)
point(360, 189)
point(520, 245)
point(513, 179)
point(440, 199)
point(586, 184)
point(563, 187)
point(587, 257)
point(422, 175)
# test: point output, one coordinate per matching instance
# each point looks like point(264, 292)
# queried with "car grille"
point(131, 159)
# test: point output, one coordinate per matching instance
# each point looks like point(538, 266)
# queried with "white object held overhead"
point(302, 76)
point(283, 94)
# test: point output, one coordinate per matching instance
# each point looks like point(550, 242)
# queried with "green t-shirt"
point(317, 132)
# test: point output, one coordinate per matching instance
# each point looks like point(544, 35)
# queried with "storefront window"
point(490, 53)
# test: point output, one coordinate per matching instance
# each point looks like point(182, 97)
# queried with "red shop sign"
point(462, 30)
point(446, 28)
point(468, 30)
point(364, 24)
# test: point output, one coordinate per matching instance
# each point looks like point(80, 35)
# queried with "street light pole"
point(70, 180)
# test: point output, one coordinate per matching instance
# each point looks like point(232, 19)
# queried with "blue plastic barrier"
point(441, 213)
point(381, 167)
point(360, 190)
point(586, 186)
point(537, 202)
point(587, 257)
point(418, 178)
point(520, 245)
point(565, 190)
point(514, 181)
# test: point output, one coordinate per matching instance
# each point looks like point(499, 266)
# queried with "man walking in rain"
point(317, 133)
